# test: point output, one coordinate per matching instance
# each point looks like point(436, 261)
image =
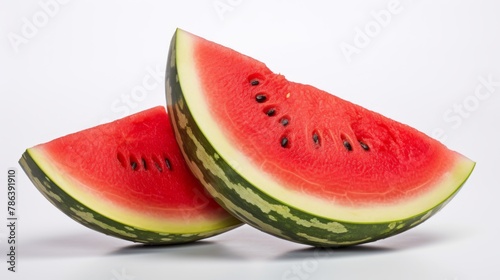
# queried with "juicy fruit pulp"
point(128, 179)
point(295, 161)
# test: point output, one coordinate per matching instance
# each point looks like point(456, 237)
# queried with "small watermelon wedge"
point(127, 179)
point(295, 161)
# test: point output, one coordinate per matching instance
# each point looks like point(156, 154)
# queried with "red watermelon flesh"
point(132, 172)
point(333, 149)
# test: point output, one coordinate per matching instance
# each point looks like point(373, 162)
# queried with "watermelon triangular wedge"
point(295, 161)
point(127, 179)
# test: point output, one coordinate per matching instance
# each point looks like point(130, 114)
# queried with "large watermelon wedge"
point(295, 161)
point(127, 179)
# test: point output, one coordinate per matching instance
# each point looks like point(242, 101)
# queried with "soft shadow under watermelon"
point(69, 245)
point(320, 253)
point(200, 249)
point(406, 241)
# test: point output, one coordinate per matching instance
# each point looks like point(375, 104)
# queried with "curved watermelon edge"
point(257, 208)
point(98, 222)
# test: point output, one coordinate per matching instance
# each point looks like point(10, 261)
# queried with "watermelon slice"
point(127, 179)
point(297, 162)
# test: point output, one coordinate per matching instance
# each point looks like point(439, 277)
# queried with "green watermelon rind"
point(86, 216)
point(249, 204)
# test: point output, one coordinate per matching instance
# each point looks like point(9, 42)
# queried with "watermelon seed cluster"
point(270, 111)
point(348, 146)
point(135, 164)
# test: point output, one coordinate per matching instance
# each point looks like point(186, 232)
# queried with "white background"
point(73, 64)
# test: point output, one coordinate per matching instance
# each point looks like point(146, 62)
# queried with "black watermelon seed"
point(144, 164)
point(271, 112)
point(364, 146)
point(260, 98)
point(315, 138)
point(284, 142)
point(169, 165)
point(347, 145)
point(284, 121)
point(133, 164)
point(254, 82)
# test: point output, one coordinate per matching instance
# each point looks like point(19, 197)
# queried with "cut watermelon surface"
point(127, 179)
point(298, 162)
